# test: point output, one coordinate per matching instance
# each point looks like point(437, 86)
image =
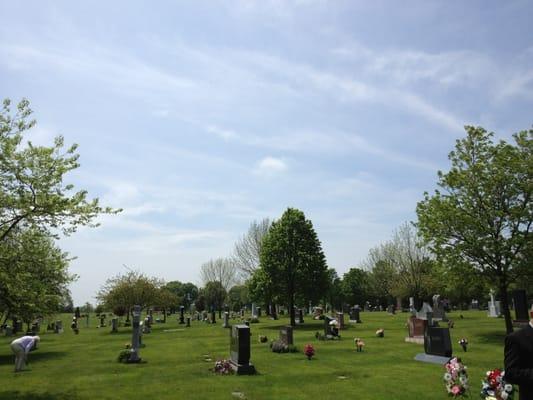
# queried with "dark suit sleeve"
point(514, 373)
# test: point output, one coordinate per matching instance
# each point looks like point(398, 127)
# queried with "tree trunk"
point(505, 307)
point(291, 310)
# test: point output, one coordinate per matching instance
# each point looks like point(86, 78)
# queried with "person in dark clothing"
point(519, 360)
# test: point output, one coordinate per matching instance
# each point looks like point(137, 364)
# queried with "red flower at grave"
point(309, 351)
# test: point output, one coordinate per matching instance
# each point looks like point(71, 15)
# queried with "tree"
point(186, 293)
point(238, 297)
point(413, 264)
point(382, 280)
point(248, 249)
point(483, 216)
point(355, 286)
point(292, 261)
point(214, 294)
point(32, 191)
point(334, 294)
point(219, 270)
point(33, 275)
point(132, 288)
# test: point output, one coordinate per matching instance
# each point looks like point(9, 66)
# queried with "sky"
point(199, 117)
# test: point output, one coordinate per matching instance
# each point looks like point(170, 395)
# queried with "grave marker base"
point(428, 358)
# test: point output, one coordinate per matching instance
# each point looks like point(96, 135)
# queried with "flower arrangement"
point(359, 344)
point(463, 343)
point(263, 339)
point(456, 377)
point(309, 351)
point(380, 333)
point(222, 367)
point(494, 386)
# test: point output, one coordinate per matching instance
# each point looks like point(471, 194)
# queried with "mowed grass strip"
point(84, 366)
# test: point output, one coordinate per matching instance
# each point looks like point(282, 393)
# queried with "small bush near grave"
point(124, 356)
point(254, 320)
point(263, 339)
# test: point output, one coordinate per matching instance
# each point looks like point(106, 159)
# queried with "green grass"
point(70, 367)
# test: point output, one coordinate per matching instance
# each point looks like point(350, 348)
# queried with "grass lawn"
point(71, 367)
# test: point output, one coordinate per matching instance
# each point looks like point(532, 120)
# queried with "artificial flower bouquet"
point(456, 377)
point(494, 386)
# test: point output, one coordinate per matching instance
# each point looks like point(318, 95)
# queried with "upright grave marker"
point(135, 335)
point(240, 350)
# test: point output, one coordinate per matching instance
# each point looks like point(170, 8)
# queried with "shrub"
point(263, 339)
point(124, 356)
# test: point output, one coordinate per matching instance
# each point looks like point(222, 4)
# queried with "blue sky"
point(199, 117)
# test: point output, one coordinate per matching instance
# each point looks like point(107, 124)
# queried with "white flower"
point(504, 395)
point(508, 388)
point(447, 377)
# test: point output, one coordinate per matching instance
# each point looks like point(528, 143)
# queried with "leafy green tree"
point(335, 294)
point(186, 293)
point(214, 294)
point(292, 261)
point(238, 297)
point(33, 275)
point(32, 188)
point(132, 288)
point(382, 280)
point(483, 214)
point(355, 286)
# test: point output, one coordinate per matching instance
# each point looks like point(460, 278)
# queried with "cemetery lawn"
point(84, 366)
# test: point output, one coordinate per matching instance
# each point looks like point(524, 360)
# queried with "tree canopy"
point(32, 188)
point(292, 263)
point(482, 215)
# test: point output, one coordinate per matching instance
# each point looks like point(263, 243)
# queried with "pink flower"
point(456, 390)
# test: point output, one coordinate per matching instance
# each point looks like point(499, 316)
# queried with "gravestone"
point(412, 308)
point(240, 350)
point(254, 310)
point(355, 312)
point(340, 319)
point(274, 313)
point(182, 311)
point(114, 325)
point(437, 342)
point(330, 329)
point(135, 335)
point(258, 312)
point(188, 320)
point(58, 327)
point(416, 328)
point(17, 326)
point(147, 326)
point(438, 309)
point(422, 314)
point(213, 319)
point(494, 309)
point(226, 320)
point(318, 312)
point(520, 305)
point(151, 316)
point(286, 335)
point(242, 312)
point(474, 305)
point(300, 316)
point(390, 309)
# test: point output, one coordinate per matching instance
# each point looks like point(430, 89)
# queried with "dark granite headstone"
point(258, 312)
point(355, 315)
point(286, 335)
point(520, 305)
point(213, 317)
point(240, 350)
point(114, 325)
point(182, 310)
point(300, 316)
point(437, 342)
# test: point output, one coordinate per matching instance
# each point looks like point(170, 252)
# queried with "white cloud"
point(225, 134)
point(270, 166)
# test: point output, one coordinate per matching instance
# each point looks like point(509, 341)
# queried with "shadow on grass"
point(18, 395)
point(492, 337)
point(33, 357)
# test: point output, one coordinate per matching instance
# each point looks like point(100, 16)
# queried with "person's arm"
point(514, 373)
point(28, 346)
